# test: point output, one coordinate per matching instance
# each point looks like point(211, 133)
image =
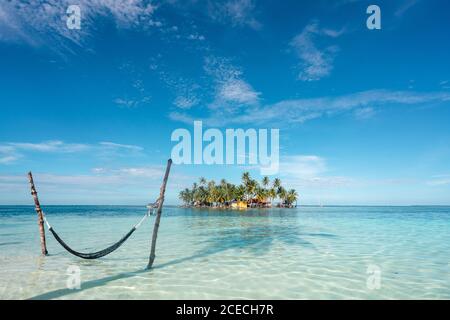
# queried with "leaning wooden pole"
point(158, 214)
point(39, 213)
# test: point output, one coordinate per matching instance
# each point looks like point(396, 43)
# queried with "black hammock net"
point(108, 250)
point(93, 255)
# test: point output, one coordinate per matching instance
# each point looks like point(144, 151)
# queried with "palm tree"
point(211, 190)
point(281, 193)
point(229, 192)
point(190, 195)
point(272, 193)
point(251, 188)
point(218, 195)
point(184, 196)
point(240, 193)
point(245, 177)
point(194, 188)
point(276, 183)
point(265, 182)
point(208, 193)
point(246, 183)
point(291, 197)
point(261, 194)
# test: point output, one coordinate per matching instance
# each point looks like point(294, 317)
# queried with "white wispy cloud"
point(5, 159)
point(123, 185)
point(309, 171)
point(232, 92)
point(143, 172)
point(101, 185)
point(334, 33)
point(236, 12)
point(439, 180)
point(364, 113)
point(237, 90)
point(12, 151)
point(196, 36)
point(186, 118)
point(42, 23)
point(315, 63)
point(364, 103)
point(39, 22)
point(300, 110)
point(405, 6)
point(131, 103)
point(187, 92)
point(136, 91)
point(445, 84)
point(302, 166)
point(227, 92)
point(49, 146)
point(185, 102)
point(8, 154)
point(114, 145)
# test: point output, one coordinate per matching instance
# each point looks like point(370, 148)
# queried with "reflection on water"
point(256, 239)
point(318, 253)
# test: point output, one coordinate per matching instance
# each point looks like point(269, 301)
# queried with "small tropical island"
point(249, 194)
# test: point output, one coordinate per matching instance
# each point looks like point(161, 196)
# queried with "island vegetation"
point(249, 194)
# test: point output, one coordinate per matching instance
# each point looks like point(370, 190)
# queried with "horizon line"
point(303, 205)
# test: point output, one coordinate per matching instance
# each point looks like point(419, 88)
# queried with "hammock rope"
point(106, 251)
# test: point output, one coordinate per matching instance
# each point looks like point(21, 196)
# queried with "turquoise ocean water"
point(304, 253)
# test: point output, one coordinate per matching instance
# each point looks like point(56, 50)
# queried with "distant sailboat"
point(320, 202)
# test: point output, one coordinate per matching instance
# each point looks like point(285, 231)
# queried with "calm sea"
point(303, 253)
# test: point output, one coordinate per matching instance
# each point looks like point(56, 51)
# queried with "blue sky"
point(363, 114)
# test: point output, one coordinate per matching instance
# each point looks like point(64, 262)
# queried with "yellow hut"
point(239, 205)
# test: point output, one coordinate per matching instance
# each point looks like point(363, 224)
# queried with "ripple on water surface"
point(303, 253)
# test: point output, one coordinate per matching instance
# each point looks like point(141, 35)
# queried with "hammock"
point(93, 255)
point(101, 253)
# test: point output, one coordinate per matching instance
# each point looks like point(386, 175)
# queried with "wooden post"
point(39, 213)
point(158, 214)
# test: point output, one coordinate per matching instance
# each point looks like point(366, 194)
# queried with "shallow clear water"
point(303, 253)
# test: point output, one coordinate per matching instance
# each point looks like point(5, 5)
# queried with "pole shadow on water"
point(256, 239)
